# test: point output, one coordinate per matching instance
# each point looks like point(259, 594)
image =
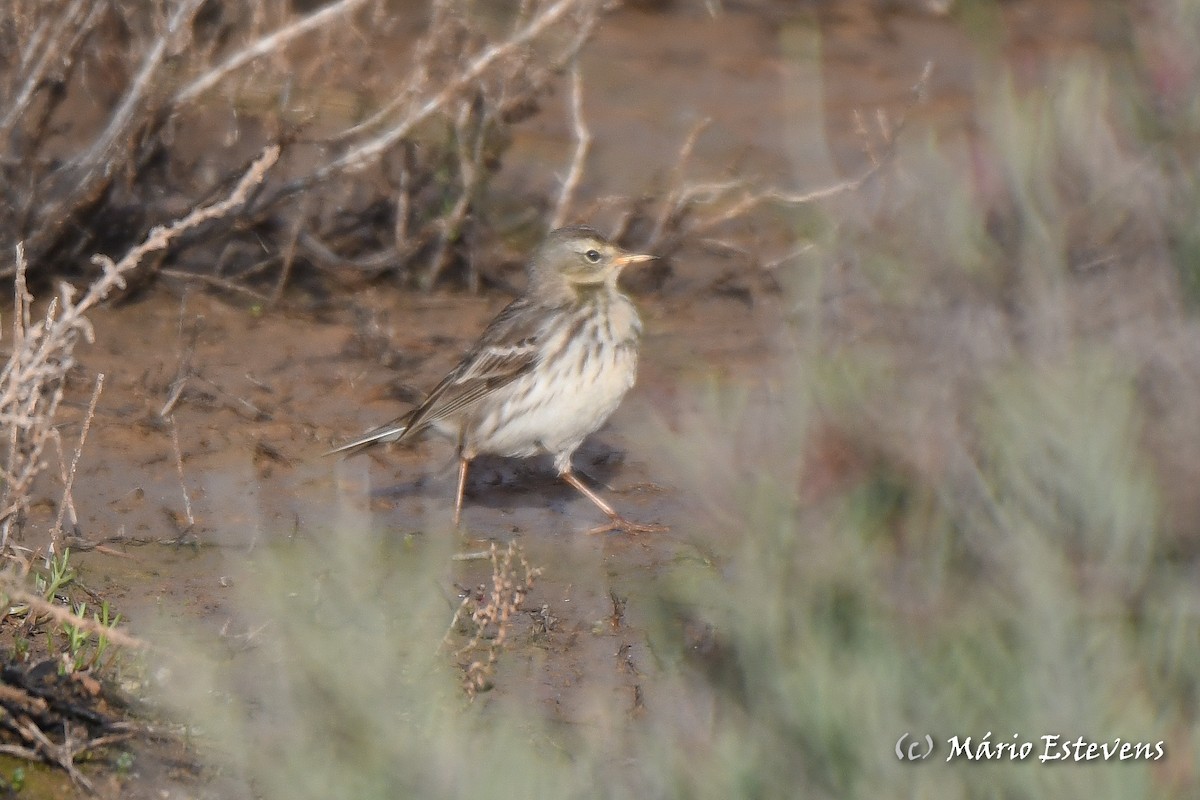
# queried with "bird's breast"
point(587, 364)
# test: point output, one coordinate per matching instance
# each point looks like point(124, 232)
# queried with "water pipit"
point(546, 373)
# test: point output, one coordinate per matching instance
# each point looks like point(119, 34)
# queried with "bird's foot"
point(618, 523)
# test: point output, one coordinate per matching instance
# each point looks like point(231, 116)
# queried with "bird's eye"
point(592, 255)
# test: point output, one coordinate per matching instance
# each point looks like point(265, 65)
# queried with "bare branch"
point(363, 155)
point(161, 236)
point(119, 123)
point(263, 46)
point(672, 201)
point(583, 143)
point(51, 51)
point(691, 210)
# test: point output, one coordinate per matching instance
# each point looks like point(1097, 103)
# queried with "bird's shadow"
point(498, 482)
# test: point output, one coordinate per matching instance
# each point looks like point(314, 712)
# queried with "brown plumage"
point(547, 372)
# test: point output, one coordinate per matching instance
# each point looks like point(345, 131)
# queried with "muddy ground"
point(266, 391)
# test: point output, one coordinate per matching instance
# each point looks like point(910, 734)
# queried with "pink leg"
point(615, 520)
point(463, 463)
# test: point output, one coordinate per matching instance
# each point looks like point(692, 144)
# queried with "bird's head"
point(577, 258)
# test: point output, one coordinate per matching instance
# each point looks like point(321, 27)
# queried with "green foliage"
point(58, 575)
point(17, 781)
point(84, 648)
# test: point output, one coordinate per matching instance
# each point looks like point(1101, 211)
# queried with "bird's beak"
point(633, 258)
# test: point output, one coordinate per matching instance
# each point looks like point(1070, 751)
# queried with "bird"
point(545, 374)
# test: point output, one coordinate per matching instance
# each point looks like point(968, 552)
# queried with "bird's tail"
point(388, 433)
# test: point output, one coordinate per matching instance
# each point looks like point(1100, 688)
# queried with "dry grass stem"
point(31, 389)
point(187, 500)
point(186, 339)
point(470, 134)
point(488, 614)
point(224, 284)
point(68, 502)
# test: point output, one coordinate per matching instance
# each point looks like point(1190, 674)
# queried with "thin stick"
point(56, 531)
point(214, 281)
point(187, 501)
point(38, 605)
point(18, 101)
point(672, 201)
point(61, 755)
point(361, 156)
point(289, 253)
point(477, 555)
point(177, 387)
point(733, 199)
point(160, 236)
point(469, 148)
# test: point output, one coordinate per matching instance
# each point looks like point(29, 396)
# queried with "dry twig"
point(32, 381)
point(368, 152)
point(68, 502)
point(692, 211)
point(12, 586)
point(583, 144)
point(272, 42)
point(489, 614)
point(187, 500)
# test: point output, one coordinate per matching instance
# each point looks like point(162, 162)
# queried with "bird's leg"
point(594, 479)
point(615, 520)
point(643, 486)
point(570, 477)
point(463, 463)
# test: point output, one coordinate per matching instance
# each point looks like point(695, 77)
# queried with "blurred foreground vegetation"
point(957, 506)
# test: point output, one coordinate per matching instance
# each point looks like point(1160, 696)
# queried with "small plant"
point(21, 649)
point(489, 615)
point(106, 619)
point(60, 575)
point(123, 763)
point(46, 585)
point(77, 656)
point(17, 782)
point(77, 637)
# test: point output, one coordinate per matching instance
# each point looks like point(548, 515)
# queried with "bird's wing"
point(391, 432)
point(508, 348)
